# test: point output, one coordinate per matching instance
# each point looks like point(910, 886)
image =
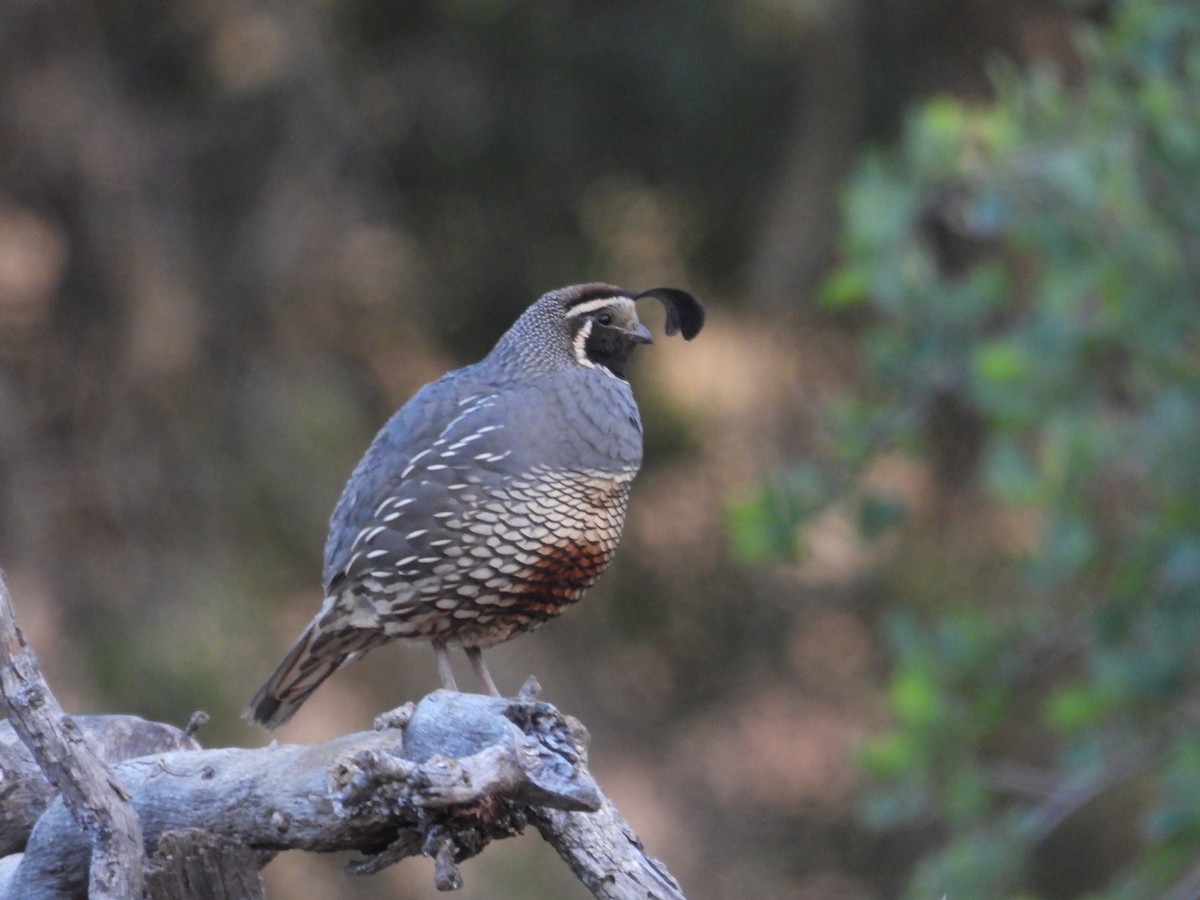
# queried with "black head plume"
point(684, 312)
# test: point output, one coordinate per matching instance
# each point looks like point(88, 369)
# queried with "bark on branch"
point(442, 779)
point(462, 771)
point(26, 793)
point(96, 800)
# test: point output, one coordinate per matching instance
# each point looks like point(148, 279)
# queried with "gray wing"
point(399, 455)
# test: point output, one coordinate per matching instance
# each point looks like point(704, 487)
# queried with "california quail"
point(490, 501)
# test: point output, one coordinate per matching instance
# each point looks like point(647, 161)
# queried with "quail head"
point(489, 502)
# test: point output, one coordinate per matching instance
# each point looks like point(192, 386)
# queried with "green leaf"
point(764, 525)
point(845, 288)
point(915, 696)
point(755, 530)
point(1002, 362)
point(1077, 707)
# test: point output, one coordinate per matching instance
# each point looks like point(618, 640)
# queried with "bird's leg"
point(445, 673)
point(475, 655)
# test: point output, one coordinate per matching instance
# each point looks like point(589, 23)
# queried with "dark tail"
point(315, 656)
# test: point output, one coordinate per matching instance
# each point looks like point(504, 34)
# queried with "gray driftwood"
point(25, 793)
point(463, 770)
point(84, 782)
point(605, 853)
point(441, 779)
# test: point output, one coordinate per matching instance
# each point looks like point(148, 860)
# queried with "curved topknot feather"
point(684, 312)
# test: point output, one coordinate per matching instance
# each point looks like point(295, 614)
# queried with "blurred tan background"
point(235, 236)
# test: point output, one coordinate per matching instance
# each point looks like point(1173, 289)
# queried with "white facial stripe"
point(581, 336)
point(592, 305)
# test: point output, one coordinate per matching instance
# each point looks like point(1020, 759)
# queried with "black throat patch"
point(610, 348)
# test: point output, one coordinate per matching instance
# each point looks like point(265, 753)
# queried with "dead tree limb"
point(86, 785)
point(464, 770)
point(441, 779)
point(26, 791)
point(605, 853)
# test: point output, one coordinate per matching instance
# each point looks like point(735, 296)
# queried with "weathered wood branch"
point(26, 793)
point(605, 853)
point(442, 779)
point(197, 865)
point(96, 800)
point(462, 771)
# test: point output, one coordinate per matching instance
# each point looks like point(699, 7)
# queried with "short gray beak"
point(640, 335)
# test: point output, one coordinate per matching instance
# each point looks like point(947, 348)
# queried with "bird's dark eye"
point(605, 318)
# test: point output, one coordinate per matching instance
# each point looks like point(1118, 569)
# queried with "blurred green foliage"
point(1027, 276)
point(763, 525)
